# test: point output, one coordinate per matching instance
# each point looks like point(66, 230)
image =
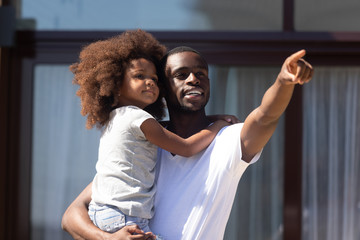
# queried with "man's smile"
point(195, 92)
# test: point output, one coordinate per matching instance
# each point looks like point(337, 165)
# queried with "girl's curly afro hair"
point(101, 68)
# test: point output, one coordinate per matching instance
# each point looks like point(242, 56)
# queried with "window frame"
point(235, 48)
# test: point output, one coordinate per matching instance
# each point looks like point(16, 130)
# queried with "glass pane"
point(64, 153)
point(151, 15)
point(327, 15)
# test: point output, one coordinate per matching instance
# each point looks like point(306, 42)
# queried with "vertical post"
point(293, 149)
point(5, 53)
point(10, 96)
point(288, 16)
point(293, 168)
point(4, 123)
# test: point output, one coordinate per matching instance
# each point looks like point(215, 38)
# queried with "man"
point(195, 195)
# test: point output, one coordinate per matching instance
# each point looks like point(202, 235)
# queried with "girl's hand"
point(228, 118)
point(132, 232)
point(218, 125)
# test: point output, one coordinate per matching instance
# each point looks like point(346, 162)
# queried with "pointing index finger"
point(296, 56)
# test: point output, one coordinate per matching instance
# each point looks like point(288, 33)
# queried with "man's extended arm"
point(77, 223)
point(261, 123)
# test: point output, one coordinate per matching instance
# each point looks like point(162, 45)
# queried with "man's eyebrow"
point(186, 68)
point(180, 69)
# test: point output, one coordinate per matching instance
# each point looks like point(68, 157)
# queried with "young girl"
point(118, 80)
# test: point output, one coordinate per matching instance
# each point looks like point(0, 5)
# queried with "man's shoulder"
point(228, 139)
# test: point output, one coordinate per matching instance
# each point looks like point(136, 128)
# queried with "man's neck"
point(186, 124)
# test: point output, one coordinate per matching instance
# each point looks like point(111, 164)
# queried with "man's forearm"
point(78, 224)
point(261, 123)
point(76, 220)
point(275, 101)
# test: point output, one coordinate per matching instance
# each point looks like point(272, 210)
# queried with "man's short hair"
point(180, 49)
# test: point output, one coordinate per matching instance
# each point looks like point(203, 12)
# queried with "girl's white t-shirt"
point(125, 171)
point(195, 195)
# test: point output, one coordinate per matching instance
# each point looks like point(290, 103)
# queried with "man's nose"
point(192, 79)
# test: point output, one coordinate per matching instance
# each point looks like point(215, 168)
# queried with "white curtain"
point(331, 170)
point(64, 152)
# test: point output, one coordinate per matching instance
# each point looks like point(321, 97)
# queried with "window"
point(156, 15)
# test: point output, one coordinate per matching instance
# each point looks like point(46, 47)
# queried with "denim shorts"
point(111, 219)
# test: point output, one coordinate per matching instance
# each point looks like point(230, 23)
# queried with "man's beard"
point(186, 110)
